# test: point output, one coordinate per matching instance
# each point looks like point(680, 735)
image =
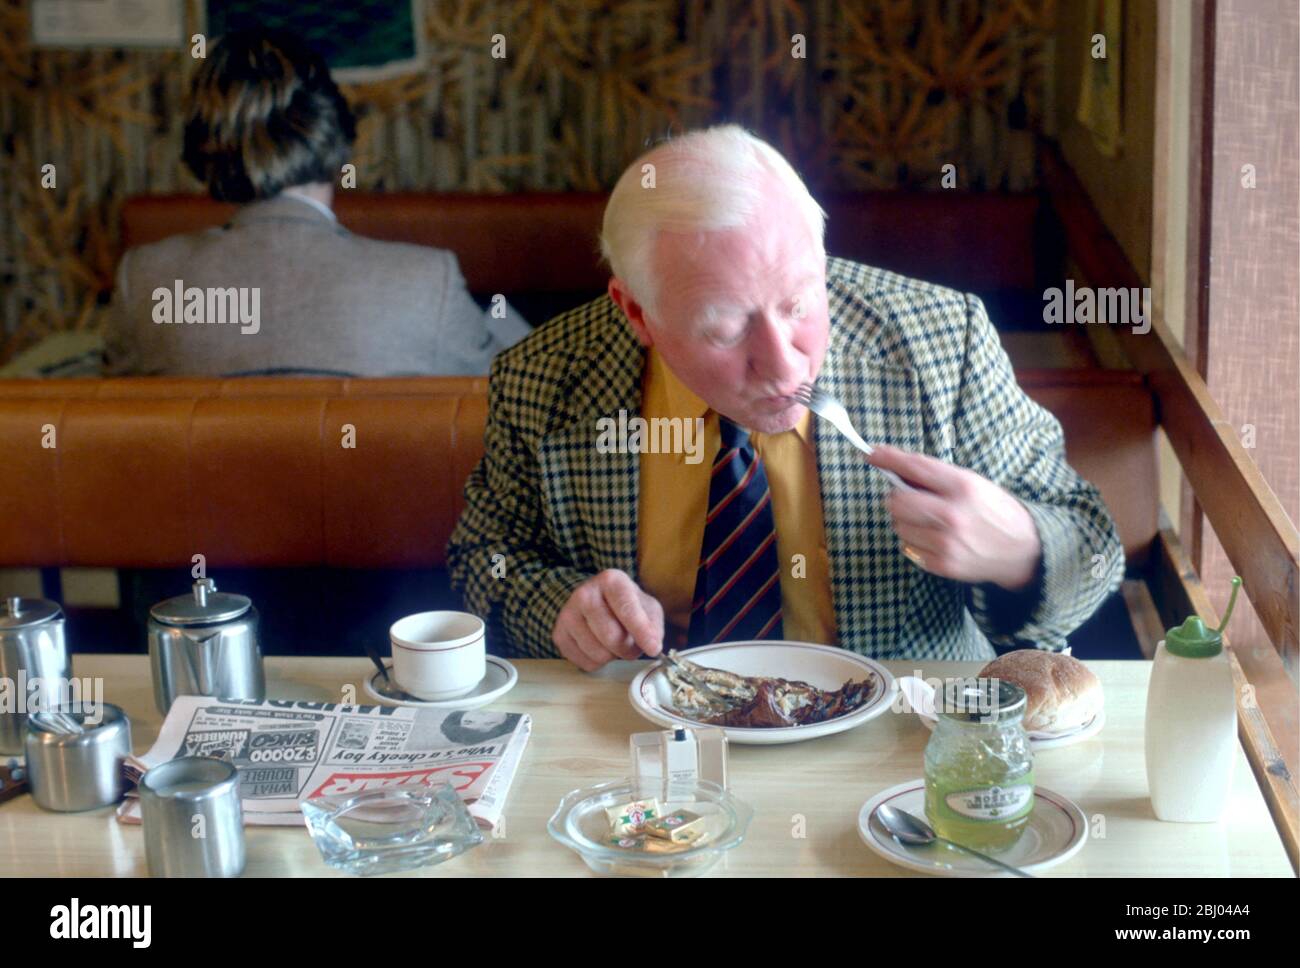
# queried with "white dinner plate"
point(823, 666)
point(500, 678)
point(1056, 832)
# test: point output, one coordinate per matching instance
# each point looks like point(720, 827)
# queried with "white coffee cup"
point(438, 655)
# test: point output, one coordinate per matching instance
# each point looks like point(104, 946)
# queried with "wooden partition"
point(1261, 541)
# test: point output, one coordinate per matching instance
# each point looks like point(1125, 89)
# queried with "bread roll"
point(1061, 692)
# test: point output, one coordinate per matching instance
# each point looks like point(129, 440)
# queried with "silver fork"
point(825, 405)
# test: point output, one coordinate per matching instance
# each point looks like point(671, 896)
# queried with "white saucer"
point(1056, 832)
point(500, 678)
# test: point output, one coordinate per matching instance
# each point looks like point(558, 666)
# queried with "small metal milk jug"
point(205, 644)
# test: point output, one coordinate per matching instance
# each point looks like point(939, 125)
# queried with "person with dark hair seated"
point(283, 287)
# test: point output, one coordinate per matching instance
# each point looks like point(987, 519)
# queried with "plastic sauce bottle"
point(1191, 724)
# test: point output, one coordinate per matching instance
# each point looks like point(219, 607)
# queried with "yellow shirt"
point(675, 498)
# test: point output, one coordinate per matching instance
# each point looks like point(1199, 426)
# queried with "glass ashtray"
point(581, 823)
point(397, 829)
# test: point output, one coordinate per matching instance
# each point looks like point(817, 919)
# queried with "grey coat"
point(315, 298)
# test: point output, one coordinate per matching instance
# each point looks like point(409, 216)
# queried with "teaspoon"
point(915, 832)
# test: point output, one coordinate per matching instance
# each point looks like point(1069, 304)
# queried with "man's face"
point(482, 722)
point(766, 334)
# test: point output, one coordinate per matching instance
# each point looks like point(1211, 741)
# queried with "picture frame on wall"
point(362, 41)
point(1101, 91)
point(80, 24)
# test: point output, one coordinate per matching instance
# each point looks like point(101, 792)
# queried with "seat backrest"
point(252, 472)
point(1109, 421)
point(547, 243)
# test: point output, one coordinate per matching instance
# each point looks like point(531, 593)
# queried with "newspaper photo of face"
point(477, 726)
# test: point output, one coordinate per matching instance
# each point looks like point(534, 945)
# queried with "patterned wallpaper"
point(884, 94)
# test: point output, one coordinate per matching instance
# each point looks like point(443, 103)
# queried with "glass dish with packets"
point(651, 828)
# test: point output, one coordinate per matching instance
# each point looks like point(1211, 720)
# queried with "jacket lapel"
point(869, 575)
point(592, 496)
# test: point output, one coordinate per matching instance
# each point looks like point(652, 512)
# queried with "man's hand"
point(608, 617)
point(962, 525)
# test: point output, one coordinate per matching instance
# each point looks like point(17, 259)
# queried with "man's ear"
point(622, 297)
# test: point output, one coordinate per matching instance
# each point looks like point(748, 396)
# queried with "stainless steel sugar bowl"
point(34, 665)
point(78, 769)
point(205, 644)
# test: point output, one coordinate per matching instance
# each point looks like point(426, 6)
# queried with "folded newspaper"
point(288, 751)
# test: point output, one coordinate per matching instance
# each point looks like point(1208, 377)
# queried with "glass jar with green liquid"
point(979, 771)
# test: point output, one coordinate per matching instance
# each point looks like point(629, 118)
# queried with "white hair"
point(703, 181)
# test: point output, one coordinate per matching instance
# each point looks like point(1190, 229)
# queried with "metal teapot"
point(205, 644)
point(32, 648)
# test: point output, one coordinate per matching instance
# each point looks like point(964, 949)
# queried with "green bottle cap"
point(1192, 640)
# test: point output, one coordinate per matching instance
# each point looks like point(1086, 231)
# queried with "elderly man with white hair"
point(722, 303)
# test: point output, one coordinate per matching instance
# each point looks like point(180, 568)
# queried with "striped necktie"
point(738, 585)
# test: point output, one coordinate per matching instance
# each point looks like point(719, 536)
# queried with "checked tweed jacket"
point(916, 365)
